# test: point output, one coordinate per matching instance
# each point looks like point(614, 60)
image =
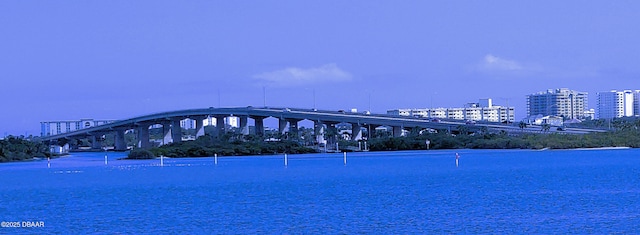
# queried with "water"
point(492, 191)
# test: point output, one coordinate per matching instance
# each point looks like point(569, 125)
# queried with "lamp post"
point(264, 96)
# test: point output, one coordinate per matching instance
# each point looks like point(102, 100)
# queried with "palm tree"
point(546, 127)
point(522, 125)
point(484, 130)
point(463, 130)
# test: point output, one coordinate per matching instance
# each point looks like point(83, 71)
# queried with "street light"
point(264, 97)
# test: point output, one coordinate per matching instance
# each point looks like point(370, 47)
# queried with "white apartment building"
point(229, 121)
point(481, 111)
point(188, 124)
point(48, 128)
point(616, 104)
point(562, 102)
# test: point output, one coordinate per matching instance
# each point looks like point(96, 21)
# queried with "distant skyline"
point(68, 60)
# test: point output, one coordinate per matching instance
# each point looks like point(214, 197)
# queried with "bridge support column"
point(244, 125)
point(371, 132)
point(397, 131)
point(166, 132)
point(96, 141)
point(259, 123)
point(74, 144)
point(293, 127)
point(199, 125)
point(120, 143)
point(356, 131)
point(318, 131)
point(282, 125)
point(176, 131)
point(220, 125)
point(143, 136)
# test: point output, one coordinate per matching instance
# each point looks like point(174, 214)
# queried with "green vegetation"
point(19, 149)
point(228, 145)
point(622, 138)
point(253, 145)
point(141, 154)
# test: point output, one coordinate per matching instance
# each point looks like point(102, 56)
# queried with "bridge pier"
point(371, 132)
point(143, 136)
point(199, 125)
point(318, 131)
point(244, 125)
point(220, 125)
point(259, 124)
point(282, 125)
point(397, 131)
point(176, 131)
point(293, 127)
point(356, 131)
point(96, 141)
point(120, 143)
point(166, 132)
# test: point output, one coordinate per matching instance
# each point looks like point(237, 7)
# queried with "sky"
point(69, 60)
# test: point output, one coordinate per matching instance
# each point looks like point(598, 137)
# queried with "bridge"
point(322, 119)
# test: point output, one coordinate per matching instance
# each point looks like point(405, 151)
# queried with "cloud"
point(328, 73)
point(494, 63)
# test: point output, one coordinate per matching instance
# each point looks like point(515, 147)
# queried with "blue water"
point(492, 191)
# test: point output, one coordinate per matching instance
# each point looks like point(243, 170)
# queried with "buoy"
point(105, 159)
point(161, 160)
point(345, 158)
point(457, 157)
point(286, 161)
point(48, 162)
point(215, 159)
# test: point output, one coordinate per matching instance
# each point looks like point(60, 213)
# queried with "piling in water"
point(345, 158)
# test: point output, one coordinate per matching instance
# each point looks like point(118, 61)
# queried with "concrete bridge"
point(323, 120)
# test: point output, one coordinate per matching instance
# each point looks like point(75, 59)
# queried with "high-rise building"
point(562, 102)
point(615, 104)
point(636, 102)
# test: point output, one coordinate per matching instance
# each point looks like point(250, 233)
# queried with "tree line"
point(14, 148)
point(226, 145)
point(622, 138)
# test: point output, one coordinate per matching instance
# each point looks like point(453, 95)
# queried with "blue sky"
point(67, 60)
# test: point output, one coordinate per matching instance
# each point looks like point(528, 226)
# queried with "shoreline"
point(601, 148)
point(585, 149)
point(276, 154)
